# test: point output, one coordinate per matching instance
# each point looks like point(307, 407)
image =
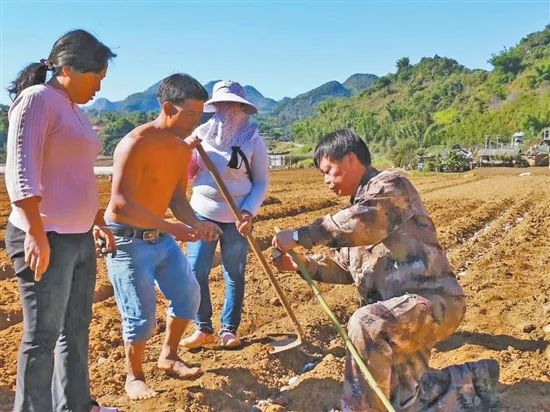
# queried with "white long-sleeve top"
point(208, 201)
point(51, 150)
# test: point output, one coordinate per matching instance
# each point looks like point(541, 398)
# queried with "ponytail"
point(34, 73)
point(77, 49)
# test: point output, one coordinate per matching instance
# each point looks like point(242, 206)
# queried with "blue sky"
point(283, 48)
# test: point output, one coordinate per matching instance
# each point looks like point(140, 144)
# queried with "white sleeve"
point(260, 174)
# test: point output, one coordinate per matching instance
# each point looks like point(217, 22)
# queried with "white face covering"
point(228, 127)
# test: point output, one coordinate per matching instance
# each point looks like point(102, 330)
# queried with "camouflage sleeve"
point(367, 222)
point(330, 269)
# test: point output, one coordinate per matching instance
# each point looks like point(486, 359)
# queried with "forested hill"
point(305, 104)
point(439, 101)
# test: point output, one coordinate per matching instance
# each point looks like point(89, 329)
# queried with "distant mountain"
point(305, 104)
point(286, 110)
point(146, 101)
point(141, 102)
point(210, 86)
point(264, 104)
point(284, 100)
point(359, 81)
point(103, 105)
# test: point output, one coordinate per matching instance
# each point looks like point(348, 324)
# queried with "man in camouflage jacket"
point(386, 244)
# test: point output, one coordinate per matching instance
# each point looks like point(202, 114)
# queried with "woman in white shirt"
point(237, 150)
point(55, 229)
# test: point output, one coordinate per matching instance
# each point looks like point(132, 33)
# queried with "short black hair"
point(179, 87)
point(337, 144)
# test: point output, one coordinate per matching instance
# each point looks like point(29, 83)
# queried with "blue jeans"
point(52, 369)
point(139, 265)
point(234, 249)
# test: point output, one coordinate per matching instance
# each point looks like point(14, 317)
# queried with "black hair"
point(179, 87)
point(337, 144)
point(77, 49)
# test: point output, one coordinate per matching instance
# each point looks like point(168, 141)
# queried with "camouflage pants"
point(395, 338)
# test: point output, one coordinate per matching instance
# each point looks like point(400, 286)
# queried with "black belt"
point(149, 235)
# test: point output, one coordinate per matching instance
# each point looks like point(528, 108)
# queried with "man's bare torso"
point(156, 163)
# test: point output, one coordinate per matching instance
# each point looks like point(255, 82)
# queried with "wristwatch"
point(296, 236)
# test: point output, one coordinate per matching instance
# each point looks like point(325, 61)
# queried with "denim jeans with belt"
point(134, 272)
point(234, 249)
point(52, 369)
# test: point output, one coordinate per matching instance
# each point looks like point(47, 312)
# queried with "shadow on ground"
point(488, 341)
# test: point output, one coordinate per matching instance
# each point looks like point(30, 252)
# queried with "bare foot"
point(138, 389)
point(176, 367)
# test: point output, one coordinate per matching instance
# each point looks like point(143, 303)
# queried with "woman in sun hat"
point(238, 151)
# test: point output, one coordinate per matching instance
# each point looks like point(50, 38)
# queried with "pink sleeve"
point(28, 127)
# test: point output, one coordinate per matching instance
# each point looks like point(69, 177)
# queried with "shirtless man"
point(150, 176)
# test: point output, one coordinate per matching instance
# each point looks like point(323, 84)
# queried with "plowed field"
point(495, 225)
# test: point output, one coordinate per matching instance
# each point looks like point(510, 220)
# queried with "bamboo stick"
point(349, 344)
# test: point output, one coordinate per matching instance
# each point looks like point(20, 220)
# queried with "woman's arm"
point(36, 245)
point(28, 127)
point(260, 174)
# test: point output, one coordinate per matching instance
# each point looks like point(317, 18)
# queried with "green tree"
point(540, 74)
point(113, 132)
point(507, 61)
point(3, 131)
point(402, 64)
point(382, 82)
point(3, 119)
point(403, 154)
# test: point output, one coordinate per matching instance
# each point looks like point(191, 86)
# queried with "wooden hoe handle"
point(251, 240)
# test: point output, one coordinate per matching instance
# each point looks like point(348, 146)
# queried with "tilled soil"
point(495, 225)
